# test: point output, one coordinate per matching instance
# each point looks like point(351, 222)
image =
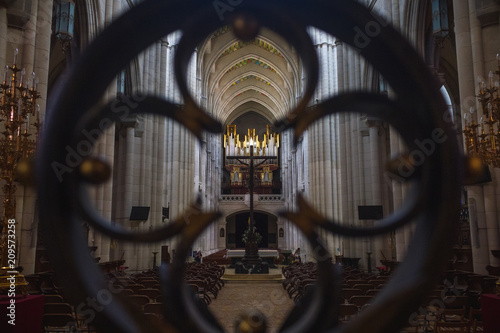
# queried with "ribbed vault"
point(257, 75)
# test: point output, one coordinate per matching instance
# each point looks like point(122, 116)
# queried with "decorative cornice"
point(488, 11)
point(18, 17)
point(325, 44)
point(6, 3)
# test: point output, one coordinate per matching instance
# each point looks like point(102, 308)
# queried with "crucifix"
point(251, 249)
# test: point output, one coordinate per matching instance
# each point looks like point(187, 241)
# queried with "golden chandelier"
point(18, 112)
point(482, 139)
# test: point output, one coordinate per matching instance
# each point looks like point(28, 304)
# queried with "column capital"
point(372, 121)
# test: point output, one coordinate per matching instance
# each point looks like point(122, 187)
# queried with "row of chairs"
point(60, 316)
point(141, 290)
point(438, 321)
point(457, 320)
point(298, 278)
point(205, 279)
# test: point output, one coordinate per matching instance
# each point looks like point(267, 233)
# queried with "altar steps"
point(273, 276)
point(219, 258)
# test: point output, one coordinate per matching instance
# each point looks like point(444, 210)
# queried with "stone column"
point(161, 187)
point(175, 192)
point(30, 40)
point(42, 53)
point(361, 189)
point(329, 170)
point(184, 183)
point(312, 165)
point(128, 250)
point(108, 12)
point(168, 172)
point(336, 181)
point(3, 38)
point(479, 230)
point(156, 180)
point(399, 247)
point(376, 186)
point(467, 34)
point(485, 41)
point(342, 181)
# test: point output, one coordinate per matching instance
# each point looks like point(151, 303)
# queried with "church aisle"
point(236, 297)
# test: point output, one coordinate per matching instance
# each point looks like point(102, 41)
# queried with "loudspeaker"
point(165, 212)
point(370, 212)
point(165, 256)
point(139, 213)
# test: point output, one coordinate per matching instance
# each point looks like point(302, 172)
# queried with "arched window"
point(447, 99)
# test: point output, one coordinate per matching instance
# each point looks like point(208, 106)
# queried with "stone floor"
point(235, 297)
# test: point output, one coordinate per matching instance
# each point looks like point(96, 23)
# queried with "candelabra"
point(482, 138)
point(17, 145)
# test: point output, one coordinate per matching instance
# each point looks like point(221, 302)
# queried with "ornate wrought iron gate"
point(416, 112)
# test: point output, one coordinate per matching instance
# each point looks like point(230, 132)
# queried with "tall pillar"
point(467, 33)
point(327, 153)
point(128, 250)
point(399, 247)
point(168, 171)
point(342, 182)
point(491, 194)
point(3, 37)
point(42, 53)
point(479, 230)
point(376, 186)
point(485, 42)
point(30, 40)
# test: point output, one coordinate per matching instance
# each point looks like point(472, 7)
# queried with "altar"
point(266, 255)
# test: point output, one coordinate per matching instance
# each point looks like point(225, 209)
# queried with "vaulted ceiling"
point(261, 76)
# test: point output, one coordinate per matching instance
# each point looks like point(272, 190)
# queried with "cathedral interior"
point(164, 141)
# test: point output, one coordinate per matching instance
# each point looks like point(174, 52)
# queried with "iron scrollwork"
point(432, 201)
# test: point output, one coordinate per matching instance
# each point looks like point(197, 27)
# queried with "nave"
point(454, 304)
point(237, 298)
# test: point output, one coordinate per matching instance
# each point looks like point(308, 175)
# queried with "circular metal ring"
point(89, 132)
point(384, 109)
point(60, 211)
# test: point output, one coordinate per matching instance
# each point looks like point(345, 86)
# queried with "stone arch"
point(236, 223)
point(222, 62)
